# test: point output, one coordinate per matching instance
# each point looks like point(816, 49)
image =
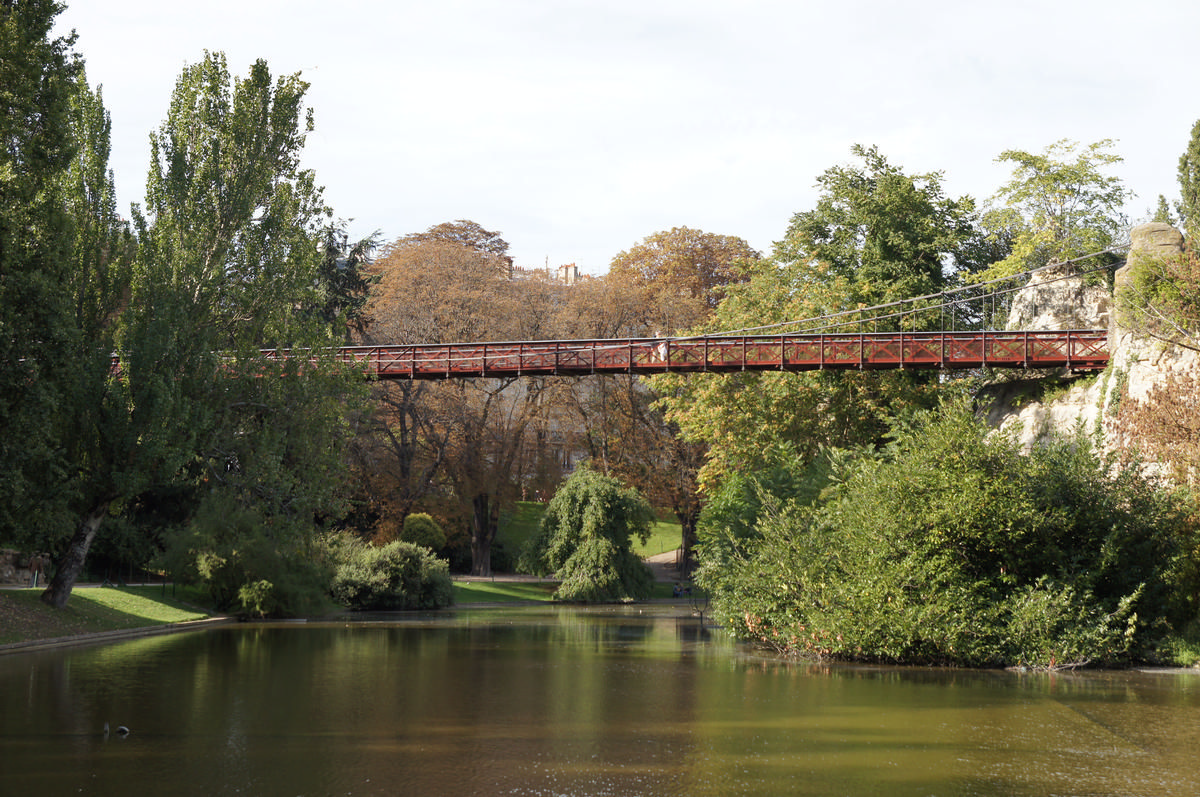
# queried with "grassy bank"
point(23, 617)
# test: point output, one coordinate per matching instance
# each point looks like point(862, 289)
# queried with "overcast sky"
point(576, 128)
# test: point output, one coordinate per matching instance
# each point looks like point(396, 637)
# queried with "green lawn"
point(502, 591)
point(665, 535)
point(24, 617)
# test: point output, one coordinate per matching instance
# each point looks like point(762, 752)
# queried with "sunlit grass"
point(503, 591)
point(519, 526)
point(664, 536)
point(89, 610)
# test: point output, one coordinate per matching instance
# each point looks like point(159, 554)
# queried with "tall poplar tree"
point(36, 336)
point(229, 247)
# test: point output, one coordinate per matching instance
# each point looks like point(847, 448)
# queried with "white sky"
point(578, 127)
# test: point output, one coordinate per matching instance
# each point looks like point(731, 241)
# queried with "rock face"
point(1057, 299)
point(1033, 410)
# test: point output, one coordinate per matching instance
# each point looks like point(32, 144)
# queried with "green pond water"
point(562, 702)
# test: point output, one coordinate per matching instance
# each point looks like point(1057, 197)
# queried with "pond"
point(563, 702)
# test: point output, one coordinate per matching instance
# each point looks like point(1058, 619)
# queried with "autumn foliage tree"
point(681, 274)
point(466, 440)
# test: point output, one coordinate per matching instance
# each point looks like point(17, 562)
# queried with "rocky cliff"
point(1034, 409)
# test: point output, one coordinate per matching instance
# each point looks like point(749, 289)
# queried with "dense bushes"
point(249, 564)
point(584, 538)
point(399, 575)
point(252, 570)
point(952, 547)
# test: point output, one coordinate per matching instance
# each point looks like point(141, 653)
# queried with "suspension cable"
point(906, 302)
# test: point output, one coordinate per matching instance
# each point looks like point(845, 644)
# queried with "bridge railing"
point(1075, 349)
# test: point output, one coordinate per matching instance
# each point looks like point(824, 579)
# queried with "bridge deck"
point(1082, 350)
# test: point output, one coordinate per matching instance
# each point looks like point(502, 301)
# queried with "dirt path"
point(664, 566)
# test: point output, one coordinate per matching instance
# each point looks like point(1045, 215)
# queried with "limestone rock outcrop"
point(1034, 409)
point(1059, 299)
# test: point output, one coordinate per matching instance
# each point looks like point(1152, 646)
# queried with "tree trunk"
point(482, 532)
point(687, 525)
point(70, 564)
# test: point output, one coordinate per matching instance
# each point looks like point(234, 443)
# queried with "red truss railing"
point(1081, 350)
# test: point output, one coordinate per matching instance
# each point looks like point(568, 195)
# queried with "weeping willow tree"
point(585, 539)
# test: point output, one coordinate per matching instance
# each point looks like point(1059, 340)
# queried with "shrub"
point(399, 575)
point(421, 529)
point(250, 565)
point(952, 547)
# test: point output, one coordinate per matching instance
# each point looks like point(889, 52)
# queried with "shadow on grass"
point(503, 591)
point(23, 616)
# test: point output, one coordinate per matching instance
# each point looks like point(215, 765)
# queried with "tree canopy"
point(951, 546)
point(38, 338)
point(681, 274)
point(889, 234)
point(875, 235)
point(1059, 204)
point(1189, 184)
point(225, 253)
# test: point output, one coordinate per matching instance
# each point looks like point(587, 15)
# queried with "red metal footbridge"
point(1078, 350)
point(823, 343)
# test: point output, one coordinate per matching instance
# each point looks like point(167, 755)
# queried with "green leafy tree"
point(102, 251)
point(345, 282)
point(227, 251)
point(951, 546)
point(1059, 204)
point(65, 281)
point(1163, 212)
point(38, 339)
point(890, 235)
point(585, 538)
point(1189, 184)
point(753, 421)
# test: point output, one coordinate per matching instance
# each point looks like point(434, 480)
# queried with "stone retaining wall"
point(14, 567)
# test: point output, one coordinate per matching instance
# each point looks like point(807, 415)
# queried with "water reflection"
point(553, 701)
